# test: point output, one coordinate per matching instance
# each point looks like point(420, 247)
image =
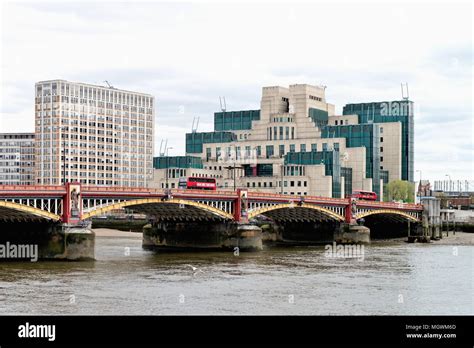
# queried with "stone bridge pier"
point(203, 235)
point(49, 240)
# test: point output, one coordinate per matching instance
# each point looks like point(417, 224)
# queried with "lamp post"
point(234, 166)
point(167, 165)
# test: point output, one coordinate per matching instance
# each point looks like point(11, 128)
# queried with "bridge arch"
point(134, 202)
point(26, 210)
point(397, 213)
point(324, 211)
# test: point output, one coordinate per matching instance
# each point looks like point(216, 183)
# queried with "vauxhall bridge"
point(184, 218)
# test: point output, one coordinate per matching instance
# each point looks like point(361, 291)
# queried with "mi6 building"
point(296, 144)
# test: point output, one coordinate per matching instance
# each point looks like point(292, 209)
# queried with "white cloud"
point(188, 55)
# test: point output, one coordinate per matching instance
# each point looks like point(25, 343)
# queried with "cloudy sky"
point(189, 54)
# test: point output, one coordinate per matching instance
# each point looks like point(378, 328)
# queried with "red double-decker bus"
point(365, 195)
point(197, 183)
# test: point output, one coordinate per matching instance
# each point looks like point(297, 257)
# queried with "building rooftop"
point(92, 85)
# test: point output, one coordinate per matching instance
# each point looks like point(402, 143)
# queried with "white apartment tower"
point(92, 134)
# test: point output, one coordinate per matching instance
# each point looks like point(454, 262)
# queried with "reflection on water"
point(296, 280)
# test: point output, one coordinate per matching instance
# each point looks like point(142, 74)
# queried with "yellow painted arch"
point(387, 211)
point(103, 210)
point(31, 210)
point(260, 211)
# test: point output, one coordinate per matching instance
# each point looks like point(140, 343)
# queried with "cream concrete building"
point(295, 144)
point(92, 134)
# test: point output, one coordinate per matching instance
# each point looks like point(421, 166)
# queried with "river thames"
point(394, 278)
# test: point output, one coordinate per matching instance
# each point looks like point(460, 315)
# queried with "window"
point(325, 146)
point(269, 151)
point(314, 147)
point(381, 139)
point(381, 159)
point(381, 149)
point(303, 147)
point(259, 151)
point(336, 146)
point(292, 147)
point(292, 183)
point(281, 133)
point(335, 122)
point(282, 150)
point(381, 130)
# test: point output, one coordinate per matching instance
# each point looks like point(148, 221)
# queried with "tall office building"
point(92, 134)
point(397, 150)
point(296, 144)
point(17, 158)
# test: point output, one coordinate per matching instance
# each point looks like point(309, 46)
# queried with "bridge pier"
point(202, 235)
point(49, 241)
point(349, 233)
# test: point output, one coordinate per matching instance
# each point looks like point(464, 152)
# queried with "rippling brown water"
point(394, 278)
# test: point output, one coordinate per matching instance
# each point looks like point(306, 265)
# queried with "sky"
point(187, 54)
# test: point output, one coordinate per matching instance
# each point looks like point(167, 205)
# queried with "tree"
point(399, 190)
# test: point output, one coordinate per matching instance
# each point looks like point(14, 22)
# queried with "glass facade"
point(194, 141)
point(331, 162)
point(235, 120)
point(319, 117)
point(263, 169)
point(177, 162)
point(346, 173)
point(357, 135)
point(395, 111)
point(384, 176)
